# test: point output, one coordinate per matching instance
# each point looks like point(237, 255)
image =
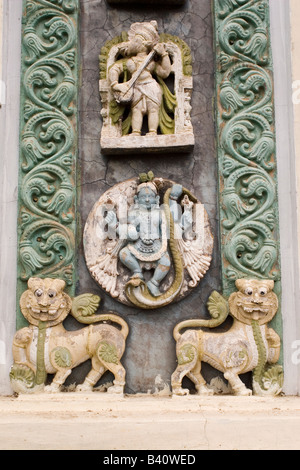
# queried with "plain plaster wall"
point(9, 156)
point(295, 72)
point(9, 132)
point(282, 14)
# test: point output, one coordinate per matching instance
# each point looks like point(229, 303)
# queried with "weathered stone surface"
point(135, 145)
point(72, 422)
point(156, 3)
point(150, 350)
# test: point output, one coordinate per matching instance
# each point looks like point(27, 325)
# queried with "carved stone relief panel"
point(50, 174)
point(134, 69)
point(246, 142)
point(148, 242)
point(48, 147)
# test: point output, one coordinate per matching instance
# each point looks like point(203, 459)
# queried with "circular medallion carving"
point(147, 242)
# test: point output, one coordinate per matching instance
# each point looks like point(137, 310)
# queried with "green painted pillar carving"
point(246, 142)
point(48, 142)
point(246, 149)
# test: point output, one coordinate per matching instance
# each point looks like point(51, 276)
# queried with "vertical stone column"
point(48, 142)
point(1, 54)
point(295, 43)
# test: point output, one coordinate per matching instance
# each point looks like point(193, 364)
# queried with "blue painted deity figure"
point(147, 235)
point(147, 241)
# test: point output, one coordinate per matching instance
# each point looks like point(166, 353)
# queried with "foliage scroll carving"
point(246, 142)
point(48, 147)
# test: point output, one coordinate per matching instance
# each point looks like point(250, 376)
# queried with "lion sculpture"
point(249, 345)
point(46, 347)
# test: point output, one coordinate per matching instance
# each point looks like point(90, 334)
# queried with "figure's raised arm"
point(111, 219)
point(114, 73)
point(175, 208)
point(163, 67)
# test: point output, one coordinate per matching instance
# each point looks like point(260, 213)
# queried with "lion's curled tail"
point(218, 309)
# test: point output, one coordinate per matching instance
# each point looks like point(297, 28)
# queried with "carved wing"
point(196, 250)
point(194, 260)
point(105, 271)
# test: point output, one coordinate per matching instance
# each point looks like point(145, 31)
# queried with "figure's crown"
point(146, 181)
point(147, 31)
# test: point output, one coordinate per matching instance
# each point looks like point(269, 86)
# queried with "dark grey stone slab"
point(150, 349)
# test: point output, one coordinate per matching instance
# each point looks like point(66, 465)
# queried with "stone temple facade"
point(243, 115)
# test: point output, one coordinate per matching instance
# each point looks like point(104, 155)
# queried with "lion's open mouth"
point(255, 309)
point(250, 308)
point(43, 311)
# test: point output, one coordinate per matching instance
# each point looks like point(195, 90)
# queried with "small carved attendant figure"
point(142, 91)
point(249, 345)
point(45, 347)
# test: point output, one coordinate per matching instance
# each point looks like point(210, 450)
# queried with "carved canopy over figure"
point(148, 242)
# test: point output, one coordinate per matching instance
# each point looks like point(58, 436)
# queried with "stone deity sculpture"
point(146, 237)
point(142, 91)
point(148, 241)
point(145, 90)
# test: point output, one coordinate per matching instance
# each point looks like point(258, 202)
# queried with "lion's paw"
point(180, 391)
point(244, 392)
point(84, 387)
point(117, 389)
point(204, 390)
point(52, 388)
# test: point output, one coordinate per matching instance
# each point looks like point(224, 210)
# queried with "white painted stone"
point(99, 421)
point(9, 157)
point(143, 93)
point(280, 19)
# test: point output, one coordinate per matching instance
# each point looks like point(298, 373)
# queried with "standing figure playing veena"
point(142, 91)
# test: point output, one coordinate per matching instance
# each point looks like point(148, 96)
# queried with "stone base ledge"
point(149, 2)
point(147, 144)
point(103, 421)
